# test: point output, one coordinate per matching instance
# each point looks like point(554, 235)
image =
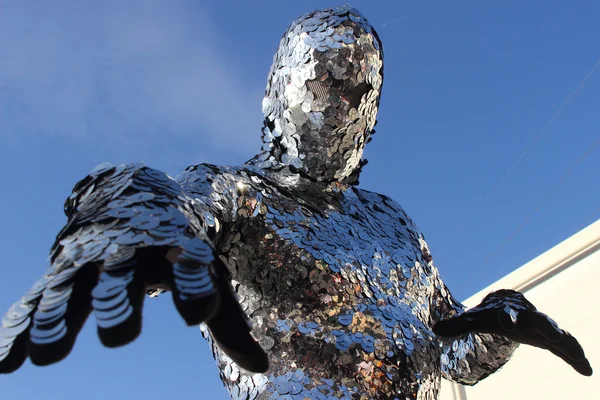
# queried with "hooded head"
point(321, 99)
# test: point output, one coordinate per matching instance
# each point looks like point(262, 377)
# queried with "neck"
point(288, 176)
point(305, 159)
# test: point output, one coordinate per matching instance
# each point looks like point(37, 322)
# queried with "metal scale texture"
point(336, 282)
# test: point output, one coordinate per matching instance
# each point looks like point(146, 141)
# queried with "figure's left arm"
point(470, 356)
point(479, 341)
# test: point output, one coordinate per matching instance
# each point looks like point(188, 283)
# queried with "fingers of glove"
point(537, 329)
point(565, 350)
point(13, 352)
point(117, 301)
point(568, 348)
point(192, 283)
point(198, 307)
point(540, 324)
point(60, 314)
point(231, 330)
point(572, 353)
point(15, 327)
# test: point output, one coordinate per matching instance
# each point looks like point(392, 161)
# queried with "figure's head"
point(321, 100)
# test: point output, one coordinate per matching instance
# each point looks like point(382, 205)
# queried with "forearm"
point(467, 358)
point(474, 356)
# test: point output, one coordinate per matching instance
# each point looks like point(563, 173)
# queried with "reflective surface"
point(337, 283)
point(322, 95)
point(343, 297)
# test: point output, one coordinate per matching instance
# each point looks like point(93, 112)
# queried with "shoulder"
point(225, 190)
point(204, 179)
point(206, 173)
point(384, 204)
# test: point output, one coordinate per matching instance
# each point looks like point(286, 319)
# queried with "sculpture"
point(336, 282)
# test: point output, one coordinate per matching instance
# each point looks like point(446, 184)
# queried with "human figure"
point(337, 283)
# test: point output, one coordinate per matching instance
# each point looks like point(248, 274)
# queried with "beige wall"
point(564, 283)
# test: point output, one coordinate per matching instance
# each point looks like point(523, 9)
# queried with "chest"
point(350, 278)
point(355, 247)
point(340, 285)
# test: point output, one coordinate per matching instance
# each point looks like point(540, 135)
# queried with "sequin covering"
point(337, 283)
point(322, 95)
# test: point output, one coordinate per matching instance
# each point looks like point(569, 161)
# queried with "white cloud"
point(116, 70)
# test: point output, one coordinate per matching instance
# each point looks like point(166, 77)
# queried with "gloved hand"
point(508, 313)
point(130, 229)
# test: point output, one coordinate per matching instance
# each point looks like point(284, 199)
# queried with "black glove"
point(508, 313)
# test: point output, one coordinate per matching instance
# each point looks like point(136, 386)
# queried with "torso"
point(339, 291)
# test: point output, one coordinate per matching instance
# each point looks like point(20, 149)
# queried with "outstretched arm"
point(478, 341)
point(130, 228)
point(469, 356)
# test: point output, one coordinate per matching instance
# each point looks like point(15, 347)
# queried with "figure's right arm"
point(130, 228)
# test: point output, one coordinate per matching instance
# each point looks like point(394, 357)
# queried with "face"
point(322, 96)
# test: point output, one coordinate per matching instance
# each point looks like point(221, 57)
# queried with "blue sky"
point(468, 86)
